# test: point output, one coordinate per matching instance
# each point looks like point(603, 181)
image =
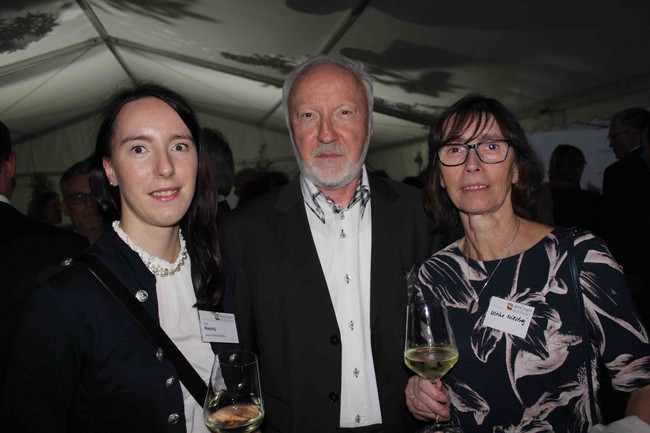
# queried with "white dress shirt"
point(344, 243)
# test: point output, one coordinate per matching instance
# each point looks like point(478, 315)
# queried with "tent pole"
point(99, 27)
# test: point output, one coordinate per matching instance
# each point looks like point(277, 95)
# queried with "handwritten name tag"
point(508, 316)
point(218, 327)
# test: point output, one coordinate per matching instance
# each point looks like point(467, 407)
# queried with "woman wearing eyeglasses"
point(509, 292)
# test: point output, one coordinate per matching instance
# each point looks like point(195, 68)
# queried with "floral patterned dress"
point(504, 383)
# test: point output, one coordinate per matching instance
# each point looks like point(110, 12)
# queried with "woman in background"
point(572, 206)
point(45, 206)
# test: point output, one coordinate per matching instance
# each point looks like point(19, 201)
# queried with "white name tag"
point(218, 327)
point(508, 316)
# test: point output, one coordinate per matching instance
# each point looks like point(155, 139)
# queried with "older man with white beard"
point(320, 266)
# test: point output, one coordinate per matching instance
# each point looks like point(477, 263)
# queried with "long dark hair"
point(217, 150)
point(475, 113)
point(197, 224)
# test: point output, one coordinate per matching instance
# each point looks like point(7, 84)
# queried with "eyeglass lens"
point(489, 152)
point(79, 197)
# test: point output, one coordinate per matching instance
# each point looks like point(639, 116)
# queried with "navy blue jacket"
point(81, 364)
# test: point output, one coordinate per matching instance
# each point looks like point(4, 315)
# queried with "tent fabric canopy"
point(554, 63)
point(551, 62)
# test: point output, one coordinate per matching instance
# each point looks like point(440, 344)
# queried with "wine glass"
point(234, 400)
point(430, 349)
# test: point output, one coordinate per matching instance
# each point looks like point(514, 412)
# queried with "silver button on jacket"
point(141, 295)
point(173, 418)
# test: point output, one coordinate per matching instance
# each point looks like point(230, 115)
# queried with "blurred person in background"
point(26, 247)
point(79, 203)
point(572, 206)
point(262, 183)
point(45, 206)
point(626, 202)
point(242, 177)
point(217, 150)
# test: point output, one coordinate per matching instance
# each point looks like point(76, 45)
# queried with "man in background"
point(321, 264)
point(626, 202)
point(79, 204)
point(26, 247)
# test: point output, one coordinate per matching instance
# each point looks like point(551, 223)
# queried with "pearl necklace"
point(156, 265)
point(472, 307)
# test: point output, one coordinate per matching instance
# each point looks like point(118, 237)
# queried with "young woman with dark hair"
point(202, 239)
point(81, 363)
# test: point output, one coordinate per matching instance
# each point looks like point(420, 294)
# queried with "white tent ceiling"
point(552, 62)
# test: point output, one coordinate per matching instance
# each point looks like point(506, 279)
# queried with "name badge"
point(218, 327)
point(508, 316)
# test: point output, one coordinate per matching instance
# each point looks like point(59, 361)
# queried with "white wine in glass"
point(430, 348)
point(431, 362)
point(234, 400)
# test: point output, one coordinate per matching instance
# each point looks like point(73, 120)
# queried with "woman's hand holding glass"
point(426, 400)
point(430, 351)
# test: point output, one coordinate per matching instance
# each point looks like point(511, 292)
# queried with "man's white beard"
point(343, 177)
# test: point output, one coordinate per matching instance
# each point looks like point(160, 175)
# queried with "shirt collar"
point(312, 196)
point(4, 199)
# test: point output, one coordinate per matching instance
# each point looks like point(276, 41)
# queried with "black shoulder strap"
point(147, 325)
point(586, 344)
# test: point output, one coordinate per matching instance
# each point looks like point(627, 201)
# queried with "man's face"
point(331, 125)
point(80, 205)
point(622, 140)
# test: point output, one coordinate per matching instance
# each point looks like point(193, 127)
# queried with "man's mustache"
point(330, 148)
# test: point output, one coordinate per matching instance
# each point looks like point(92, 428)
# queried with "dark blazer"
point(286, 316)
point(82, 365)
point(626, 204)
point(27, 246)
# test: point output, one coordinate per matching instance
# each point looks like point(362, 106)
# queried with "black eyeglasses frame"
point(474, 146)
